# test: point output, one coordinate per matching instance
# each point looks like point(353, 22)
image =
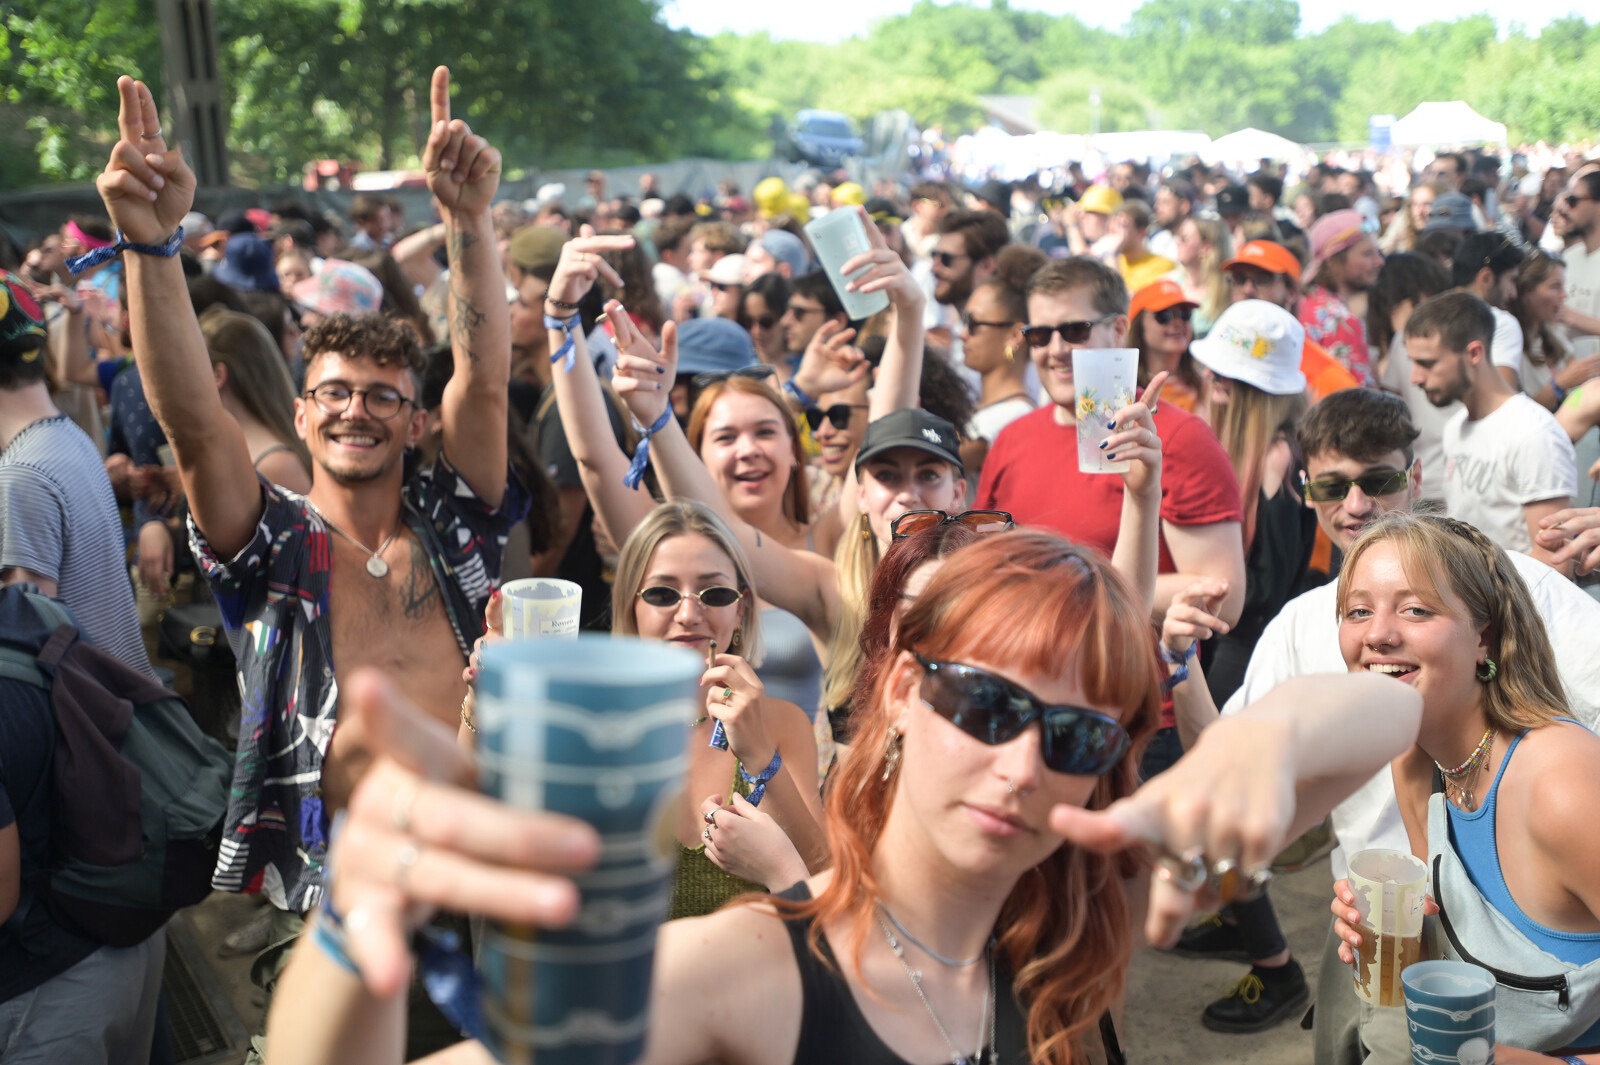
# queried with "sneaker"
point(1211, 937)
point(1254, 1004)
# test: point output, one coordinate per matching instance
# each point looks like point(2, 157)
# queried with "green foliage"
point(557, 83)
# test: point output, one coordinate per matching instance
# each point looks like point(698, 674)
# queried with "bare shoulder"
point(1561, 783)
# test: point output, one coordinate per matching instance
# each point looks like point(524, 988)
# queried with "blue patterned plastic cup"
point(1449, 1013)
point(597, 729)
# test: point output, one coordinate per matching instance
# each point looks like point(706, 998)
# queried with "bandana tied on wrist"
point(641, 453)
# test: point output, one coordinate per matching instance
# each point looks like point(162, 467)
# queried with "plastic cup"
point(839, 236)
point(1389, 887)
point(536, 607)
point(1449, 1012)
point(1106, 380)
point(597, 729)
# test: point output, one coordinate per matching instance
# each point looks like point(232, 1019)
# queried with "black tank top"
point(832, 1028)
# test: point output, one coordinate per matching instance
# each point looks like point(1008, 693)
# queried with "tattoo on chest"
point(418, 589)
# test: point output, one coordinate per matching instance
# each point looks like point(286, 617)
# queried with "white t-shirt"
point(1495, 466)
point(987, 421)
point(1506, 348)
point(1304, 639)
point(1583, 293)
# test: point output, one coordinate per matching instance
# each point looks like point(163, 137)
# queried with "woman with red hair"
point(989, 875)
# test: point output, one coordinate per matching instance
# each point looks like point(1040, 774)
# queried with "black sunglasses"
point(764, 321)
point(838, 414)
point(1182, 314)
point(1038, 336)
point(1573, 201)
point(755, 373)
point(914, 521)
point(1372, 483)
point(668, 598)
point(948, 259)
point(970, 323)
point(989, 708)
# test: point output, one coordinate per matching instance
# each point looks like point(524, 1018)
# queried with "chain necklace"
point(985, 1051)
point(1463, 776)
point(954, 963)
point(376, 566)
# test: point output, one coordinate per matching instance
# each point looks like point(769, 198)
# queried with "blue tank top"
point(1472, 835)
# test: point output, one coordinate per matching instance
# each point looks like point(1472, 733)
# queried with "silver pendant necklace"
point(985, 1051)
point(376, 566)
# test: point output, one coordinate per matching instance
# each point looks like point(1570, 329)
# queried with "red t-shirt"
point(1031, 472)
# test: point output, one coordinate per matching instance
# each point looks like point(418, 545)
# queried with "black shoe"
point(1261, 999)
point(1211, 938)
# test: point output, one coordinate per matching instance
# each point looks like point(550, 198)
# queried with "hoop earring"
point(891, 754)
point(1487, 671)
point(734, 643)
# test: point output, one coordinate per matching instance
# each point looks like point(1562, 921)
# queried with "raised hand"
point(643, 375)
point(733, 697)
point(885, 270)
point(830, 363)
point(1574, 535)
point(146, 186)
point(463, 170)
point(1192, 615)
point(1137, 440)
point(580, 266)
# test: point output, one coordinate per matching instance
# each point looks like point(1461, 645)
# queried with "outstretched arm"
point(463, 173)
point(147, 189)
point(1137, 554)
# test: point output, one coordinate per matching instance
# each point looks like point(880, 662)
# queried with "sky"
point(835, 20)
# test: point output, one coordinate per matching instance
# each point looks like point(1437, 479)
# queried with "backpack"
point(137, 791)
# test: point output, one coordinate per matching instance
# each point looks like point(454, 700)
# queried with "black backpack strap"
point(49, 656)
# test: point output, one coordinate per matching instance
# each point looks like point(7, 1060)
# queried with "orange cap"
point(1268, 256)
point(1158, 296)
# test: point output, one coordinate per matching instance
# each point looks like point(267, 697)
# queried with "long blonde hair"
point(1441, 554)
point(854, 560)
point(1247, 426)
point(682, 517)
point(1214, 235)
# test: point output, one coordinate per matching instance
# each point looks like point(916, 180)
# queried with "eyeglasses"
point(763, 321)
point(1182, 314)
point(381, 402)
point(664, 598)
point(754, 373)
point(1572, 201)
point(991, 709)
point(800, 312)
point(838, 415)
point(948, 259)
point(1372, 483)
point(970, 323)
point(984, 521)
point(1038, 336)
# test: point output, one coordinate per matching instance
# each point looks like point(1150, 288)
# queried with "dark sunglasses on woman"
point(989, 708)
point(838, 415)
point(983, 521)
point(668, 598)
point(1182, 314)
point(759, 372)
point(1372, 483)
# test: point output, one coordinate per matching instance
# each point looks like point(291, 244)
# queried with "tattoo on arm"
point(420, 587)
point(465, 316)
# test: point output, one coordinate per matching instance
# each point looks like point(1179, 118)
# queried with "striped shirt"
point(59, 519)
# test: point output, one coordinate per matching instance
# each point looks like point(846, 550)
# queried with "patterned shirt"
point(1331, 324)
point(274, 601)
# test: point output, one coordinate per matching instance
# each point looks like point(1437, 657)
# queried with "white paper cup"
point(1106, 380)
point(537, 607)
point(1389, 887)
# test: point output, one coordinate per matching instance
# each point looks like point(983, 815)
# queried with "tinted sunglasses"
point(1038, 336)
point(1573, 201)
point(763, 321)
point(668, 598)
point(991, 709)
point(838, 415)
point(970, 323)
point(1371, 483)
point(755, 373)
point(984, 521)
point(948, 259)
point(1182, 314)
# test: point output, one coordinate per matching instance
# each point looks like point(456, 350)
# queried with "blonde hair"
point(1246, 426)
point(1442, 554)
point(1214, 235)
point(683, 517)
point(854, 561)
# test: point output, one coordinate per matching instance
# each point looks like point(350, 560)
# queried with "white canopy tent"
point(1445, 124)
point(1252, 145)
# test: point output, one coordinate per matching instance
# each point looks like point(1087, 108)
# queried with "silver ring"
point(401, 818)
point(1186, 873)
point(711, 818)
point(405, 861)
point(707, 835)
point(157, 135)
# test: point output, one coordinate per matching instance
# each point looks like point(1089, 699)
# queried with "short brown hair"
point(670, 233)
point(719, 236)
point(983, 233)
point(1455, 319)
point(1107, 291)
point(374, 337)
point(1362, 423)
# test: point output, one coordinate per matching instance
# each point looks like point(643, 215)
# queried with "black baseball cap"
point(913, 428)
point(1234, 199)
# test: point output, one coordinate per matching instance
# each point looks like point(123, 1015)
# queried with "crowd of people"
point(1354, 545)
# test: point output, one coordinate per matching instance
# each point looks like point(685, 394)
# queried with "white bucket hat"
point(1258, 343)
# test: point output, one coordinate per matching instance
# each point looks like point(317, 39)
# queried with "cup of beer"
point(537, 607)
point(595, 728)
point(1389, 887)
point(1106, 380)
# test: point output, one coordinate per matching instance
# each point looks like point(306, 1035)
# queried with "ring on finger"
point(157, 135)
point(1184, 872)
point(707, 835)
point(404, 862)
point(401, 816)
point(727, 696)
point(711, 818)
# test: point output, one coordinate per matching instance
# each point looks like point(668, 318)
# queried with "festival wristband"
point(327, 932)
point(641, 453)
point(165, 250)
point(1171, 658)
point(794, 390)
point(1560, 395)
point(758, 783)
point(568, 350)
